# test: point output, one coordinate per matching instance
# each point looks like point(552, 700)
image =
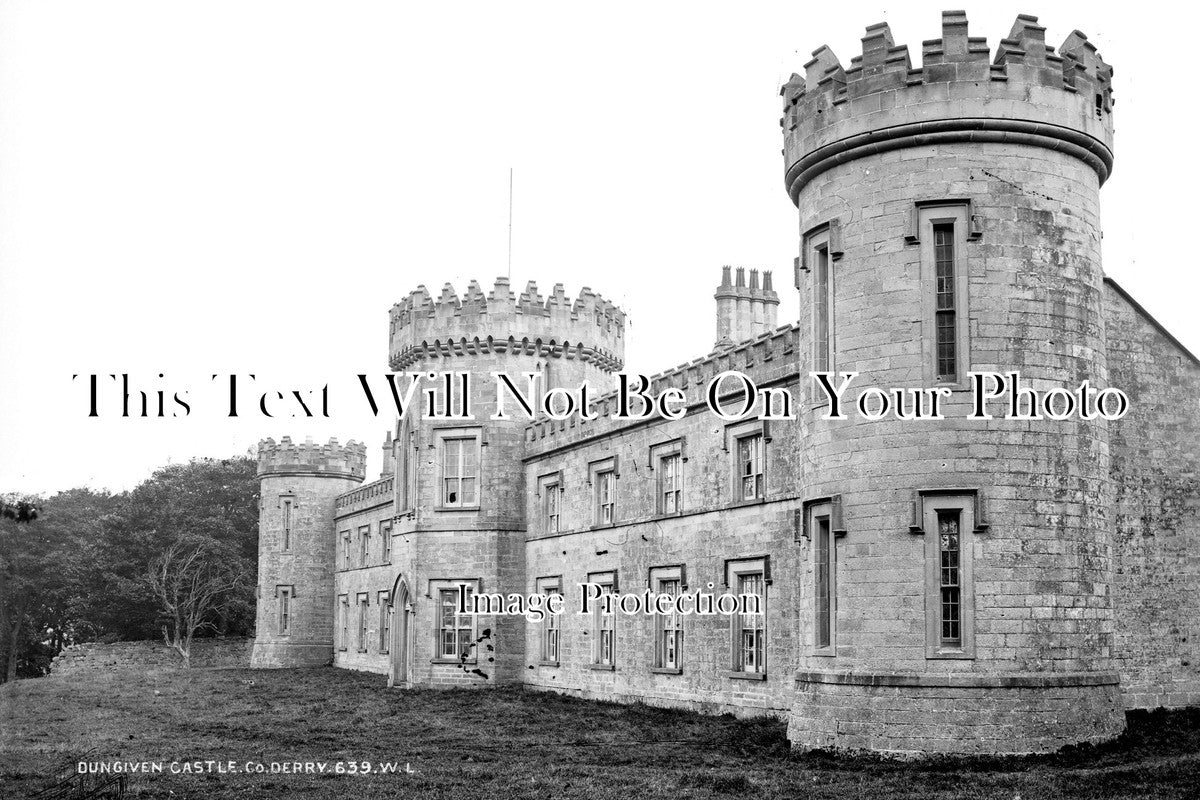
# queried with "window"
point(550, 623)
point(460, 471)
point(385, 536)
point(551, 500)
point(750, 467)
point(385, 622)
point(822, 246)
point(668, 640)
point(345, 549)
point(362, 623)
point(943, 233)
point(949, 574)
point(824, 556)
point(749, 578)
point(604, 632)
point(344, 622)
point(364, 545)
point(822, 309)
point(670, 484)
point(606, 484)
point(287, 523)
point(949, 521)
point(285, 609)
point(945, 323)
point(406, 466)
point(456, 632)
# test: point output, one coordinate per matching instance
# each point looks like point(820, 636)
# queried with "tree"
point(194, 583)
point(40, 562)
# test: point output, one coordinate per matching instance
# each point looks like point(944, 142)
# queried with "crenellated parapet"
point(1027, 94)
point(307, 458)
point(766, 358)
point(424, 328)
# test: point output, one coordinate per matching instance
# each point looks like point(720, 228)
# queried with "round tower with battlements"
point(296, 547)
point(957, 590)
point(460, 483)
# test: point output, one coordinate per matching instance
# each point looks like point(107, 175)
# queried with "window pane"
point(822, 594)
point(949, 557)
point(821, 311)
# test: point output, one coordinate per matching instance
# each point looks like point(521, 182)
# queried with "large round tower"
point(957, 596)
point(296, 547)
point(460, 483)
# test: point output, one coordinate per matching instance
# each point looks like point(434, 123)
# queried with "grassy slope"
point(511, 744)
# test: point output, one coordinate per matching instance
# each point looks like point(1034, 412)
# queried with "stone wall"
point(100, 657)
point(1156, 477)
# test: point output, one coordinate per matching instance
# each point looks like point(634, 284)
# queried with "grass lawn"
point(509, 744)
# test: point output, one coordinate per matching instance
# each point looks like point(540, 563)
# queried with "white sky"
point(215, 187)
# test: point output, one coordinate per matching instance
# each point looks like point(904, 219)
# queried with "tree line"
point(173, 558)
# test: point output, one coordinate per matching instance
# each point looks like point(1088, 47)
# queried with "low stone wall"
point(94, 656)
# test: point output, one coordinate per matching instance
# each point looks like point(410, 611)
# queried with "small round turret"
point(296, 548)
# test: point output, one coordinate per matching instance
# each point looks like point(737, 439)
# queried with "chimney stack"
point(744, 311)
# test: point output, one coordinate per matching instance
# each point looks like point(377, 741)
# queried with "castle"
point(958, 586)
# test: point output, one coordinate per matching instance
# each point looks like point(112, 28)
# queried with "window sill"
point(547, 663)
point(603, 667)
point(452, 661)
point(362, 649)
point(753, 502)
point(824, 652)
point(747, 676)
point(384, 652)
point(668, 514)
point(460, 509)
point(949, 655)
point(666, 670)
point(599, 526)
point(341, 649)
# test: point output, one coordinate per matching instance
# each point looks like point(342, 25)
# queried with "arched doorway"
point(401, 611)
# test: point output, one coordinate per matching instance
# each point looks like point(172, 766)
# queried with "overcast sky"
point(217, 187)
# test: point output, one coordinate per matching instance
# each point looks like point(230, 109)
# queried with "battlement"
point(589, 328)
point(769, 356)
point(307, 458)
point(1027, 93)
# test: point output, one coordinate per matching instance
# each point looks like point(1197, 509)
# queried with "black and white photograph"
point(598, 400)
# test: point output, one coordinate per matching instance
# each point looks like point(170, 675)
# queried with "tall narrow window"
point(670, 484)
point(362, 623)
point(943, 231)
point(551, 500)
point(750, 466)
point(605, 497)
point(823, 580)
point(946, 321)
point(287, 524)
point(751, 624)
point(950, 620)
point(822, 296)
point(949, 522)
point(344, 622)
point(455, 630)
point(385, 622)
point(668, 647)
point(285, 610)
point(460, 471)
point(549, 587)
point(345, 549)
point(364, 545)
point(604, 632)
point(385, 536)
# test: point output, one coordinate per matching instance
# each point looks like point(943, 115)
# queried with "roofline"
point(1150, 318)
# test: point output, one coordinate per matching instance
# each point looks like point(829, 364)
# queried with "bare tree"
point(193, 584)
